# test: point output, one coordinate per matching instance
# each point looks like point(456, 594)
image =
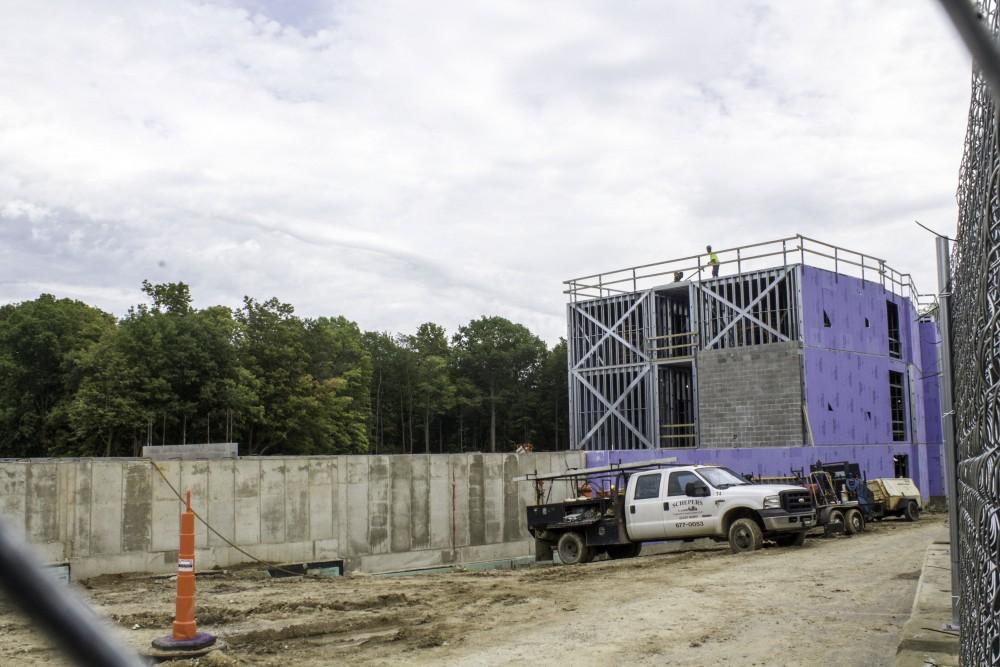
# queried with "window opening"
point(677, 408)
point(867, 324)
point(901, 465)
point(897, 406)
point(647, 486)
point(892, 320)
point(826, 320)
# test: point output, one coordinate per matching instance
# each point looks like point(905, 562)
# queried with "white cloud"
point(400, 162)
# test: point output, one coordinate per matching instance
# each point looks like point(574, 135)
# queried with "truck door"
point(644, 514)
point(685, 515)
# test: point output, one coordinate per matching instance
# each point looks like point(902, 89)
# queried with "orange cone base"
point(199, 641)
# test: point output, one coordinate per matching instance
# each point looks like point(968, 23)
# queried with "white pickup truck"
point(657, 501)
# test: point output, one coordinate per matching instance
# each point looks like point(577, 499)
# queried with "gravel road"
point(838, 601)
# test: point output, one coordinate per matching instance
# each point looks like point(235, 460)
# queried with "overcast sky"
point(399, 162)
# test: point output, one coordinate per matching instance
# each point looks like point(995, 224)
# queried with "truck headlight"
point(772, 502)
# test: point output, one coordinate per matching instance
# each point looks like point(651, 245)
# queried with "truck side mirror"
point(696, 490)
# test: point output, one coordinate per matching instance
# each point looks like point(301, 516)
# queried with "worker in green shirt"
point(713, 261)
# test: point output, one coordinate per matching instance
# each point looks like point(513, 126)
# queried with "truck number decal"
point(689, 524)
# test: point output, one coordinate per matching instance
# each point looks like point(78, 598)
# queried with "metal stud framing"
point(633, 381)
point(612, 383)
point(749, 309)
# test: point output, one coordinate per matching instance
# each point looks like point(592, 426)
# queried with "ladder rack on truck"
point(596, 514)
point(582, 478)
point(613, 509)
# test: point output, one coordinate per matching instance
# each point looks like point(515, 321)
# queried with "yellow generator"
point(896, 496)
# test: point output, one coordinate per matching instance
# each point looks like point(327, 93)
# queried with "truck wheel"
point(854, 522)
point(745, 536)
point(617, 551)
point(835, 516)
point(573, 550)
point(912, 511)
point(793, 540)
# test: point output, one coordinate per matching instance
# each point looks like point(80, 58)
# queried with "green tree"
point(271, 347)
point(500, 358)
point(339, 361)
point(551, 406)
point(384, 355)
point(312, 379)
point(40, 342)
point(167, 369)
point(107, 406)
point(432, 382)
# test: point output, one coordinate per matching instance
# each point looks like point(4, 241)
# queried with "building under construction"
point(798, 350)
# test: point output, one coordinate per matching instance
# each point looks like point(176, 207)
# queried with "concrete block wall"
point(751, 396)
point(378, 513)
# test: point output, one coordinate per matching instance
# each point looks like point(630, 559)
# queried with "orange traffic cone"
point(185, 636)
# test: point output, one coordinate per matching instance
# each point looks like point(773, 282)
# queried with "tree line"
point(76, 381)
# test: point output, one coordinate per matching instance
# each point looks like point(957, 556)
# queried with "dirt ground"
point(838, 601)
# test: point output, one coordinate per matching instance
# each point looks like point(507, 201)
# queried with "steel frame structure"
point(621, 343)
point(611, 372)
point(749, 309)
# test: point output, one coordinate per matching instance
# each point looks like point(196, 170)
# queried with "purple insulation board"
point(846, 361)
point(930, 346)
point(855, 315)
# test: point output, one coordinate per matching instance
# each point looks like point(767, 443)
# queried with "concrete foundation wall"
point(378, 513)
point(750, 396)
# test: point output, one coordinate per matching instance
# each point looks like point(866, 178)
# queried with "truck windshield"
point(721, 478)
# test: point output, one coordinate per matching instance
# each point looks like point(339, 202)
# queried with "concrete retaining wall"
point(378, 513)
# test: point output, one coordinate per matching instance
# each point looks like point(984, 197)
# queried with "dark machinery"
point(843, 495)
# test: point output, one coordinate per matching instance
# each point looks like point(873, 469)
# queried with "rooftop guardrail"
point(787, 251)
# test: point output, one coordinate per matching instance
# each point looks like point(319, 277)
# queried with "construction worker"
point(713, 261)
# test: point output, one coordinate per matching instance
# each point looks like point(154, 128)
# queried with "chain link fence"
point(976, 362)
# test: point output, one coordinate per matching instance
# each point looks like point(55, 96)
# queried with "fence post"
point(948, 420)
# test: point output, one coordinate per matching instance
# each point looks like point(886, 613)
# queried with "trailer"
point(897, 496)
point(845, 500)
point(836, 511)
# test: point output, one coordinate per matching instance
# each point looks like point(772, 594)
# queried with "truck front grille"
point(796, 501)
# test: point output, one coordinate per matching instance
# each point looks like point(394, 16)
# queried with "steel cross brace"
point(745, 312)
point(610, 331)
point(613, 407)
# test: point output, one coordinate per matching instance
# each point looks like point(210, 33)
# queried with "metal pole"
point(60, 614)
point(948, 420)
